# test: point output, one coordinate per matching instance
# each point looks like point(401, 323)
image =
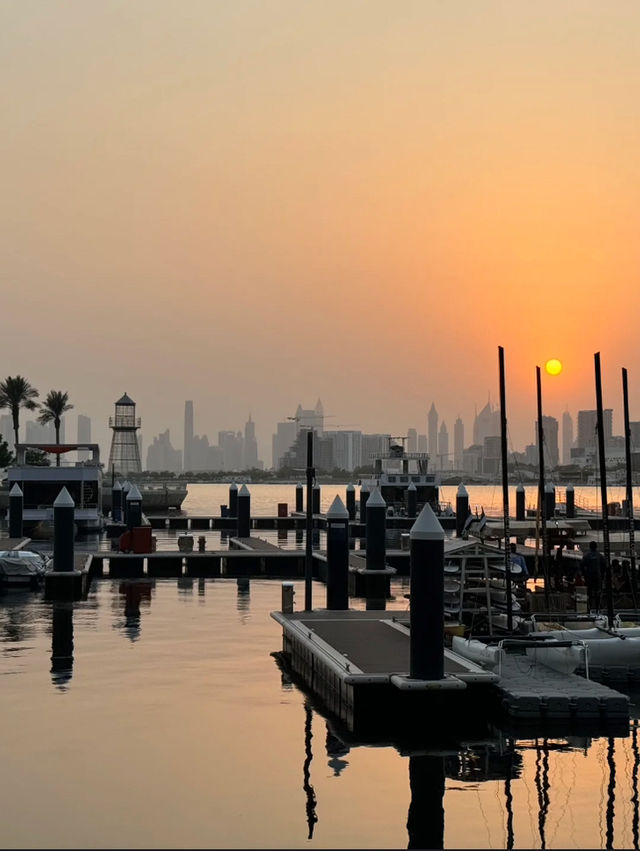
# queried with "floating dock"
point(357, 663)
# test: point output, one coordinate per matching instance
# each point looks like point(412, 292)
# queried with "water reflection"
point(309, 792)
point(336, 749)
point(61, 644)
point(135, 593)
point(243, 600)
point(425, 820)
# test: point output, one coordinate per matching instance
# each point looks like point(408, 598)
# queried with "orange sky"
point(253, 204)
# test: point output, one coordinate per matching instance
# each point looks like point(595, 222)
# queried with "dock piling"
point(520, 508)
point(412, 500)
point(337, 556)
point(16, 506)
point(63, 532)
point(233, 500)
point(462, 509)
point(243, 512)
point(299, 497)
point(351, 501)
point(116, 501)
point(134, 507)
point(426, 650)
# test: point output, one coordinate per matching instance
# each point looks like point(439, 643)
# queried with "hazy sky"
point(255, 204)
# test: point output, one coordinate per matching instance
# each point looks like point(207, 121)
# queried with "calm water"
point(163, 721)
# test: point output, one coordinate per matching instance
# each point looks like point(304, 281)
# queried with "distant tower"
point(319, 411)
point(124, 457)
point(84, 436)
point(187, 459)
point(567, 437)
point(443, 447)
point(250, 445)
point(432, 431)
point(412, 440)
point(458, 443)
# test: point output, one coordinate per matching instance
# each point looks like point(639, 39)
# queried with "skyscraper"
point(187, 453)
point(567, 437)
point(282, 441)
point(432, 431)
point(550, 440)
point(486, 424)
point(443, 447)
point(412, 440)
point(458, 443)
point(84, 436)
point(250, 445)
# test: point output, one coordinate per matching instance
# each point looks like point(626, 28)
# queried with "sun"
point(553, 366)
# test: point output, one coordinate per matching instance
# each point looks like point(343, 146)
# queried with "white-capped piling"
point(16, 509)
point(300, 497)
point(520, 509)
point(244, 512)
point(233, 500)
point(412, 500)
point(134, 507)
point(116, 501)
point(351, 501)
point(549, 501)
point(376, 531)
point(316, 499)
point(364, 496)
point(462, 509)
point(63, 532)
point(426, 589)
point(571, 501)
point(337, 556)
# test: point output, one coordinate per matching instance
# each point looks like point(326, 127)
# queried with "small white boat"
point(22, 568)
point(560, 657)
point(614, 648)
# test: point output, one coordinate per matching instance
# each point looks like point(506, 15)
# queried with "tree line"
point(17, 394)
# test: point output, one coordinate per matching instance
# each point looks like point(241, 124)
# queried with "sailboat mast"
point(603, 489)
point(505, 487)
point(543, 519)
point(630, 513)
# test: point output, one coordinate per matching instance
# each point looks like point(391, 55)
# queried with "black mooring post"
point(16, 506)
point(63, 531)
point(520, 506)
point(462, 509)
point(308, 560)
point(299, 497)
point(116, 501)
point(316, 498)
point(233, 500)
point(426, 620)
point(412, 500)
point(337, 556)
point(570, 498)
point(134, 507)
point(244, 512)
point(376, 531)
point(364, 496)
point(351, 501)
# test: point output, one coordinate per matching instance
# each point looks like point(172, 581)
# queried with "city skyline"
point(216, 212)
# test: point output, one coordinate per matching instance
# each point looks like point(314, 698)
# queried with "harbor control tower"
point(124, 457)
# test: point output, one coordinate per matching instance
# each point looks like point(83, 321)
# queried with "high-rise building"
point(634, 435)
point(124, 457)
point(458, 443)
point(432, 431)
point(443, 447)
point(486, 424)
point(491, 455)
point(250, 445)
point(307, 418)
point(422, 443)
point(550, 440)
point(373, 445)
point(587, 437)
point(6, 430)
point(84, 436)
point(282, 441)
point(347, 449)
point(187, 449)
point(231, 444)
point(38, 433)
point(161, 456)
point(412, 440)
point(567, 437)
point(296, 456)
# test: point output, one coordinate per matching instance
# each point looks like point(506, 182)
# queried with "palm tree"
point(16, 393)
point(54, 406)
